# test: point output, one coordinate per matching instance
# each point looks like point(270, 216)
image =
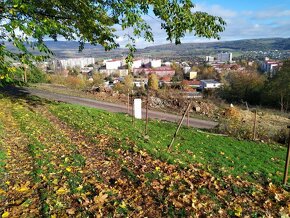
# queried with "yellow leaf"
point(22, 189)
point(61, 191)
point(5, 214)
point(55, 181)
point(79, 188)
point(68, 169)
point(123, 205)
point(2, 191)
point(238, 210)
point(7, 182)
point(53, 216)
point(100, 200)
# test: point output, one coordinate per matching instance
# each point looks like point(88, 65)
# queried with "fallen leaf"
point(22, 188)
point(123, 205)
point(5, 214)
point(71, 211)
point(100, 199)
point(238, 210)
point(61, 191)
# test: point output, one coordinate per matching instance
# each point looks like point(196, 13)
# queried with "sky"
point(246, 19)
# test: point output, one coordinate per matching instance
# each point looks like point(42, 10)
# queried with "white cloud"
point(216, 10)
point(240, 25)
point(274, 13)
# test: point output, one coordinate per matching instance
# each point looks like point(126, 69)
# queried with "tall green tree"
point(278, 88)
point(28, 22)
point(178, 76)
point(153, 82)
point(243, 86)
point(129, 82)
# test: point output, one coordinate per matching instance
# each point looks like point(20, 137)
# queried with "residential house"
point(209, 84)
point(159, 71)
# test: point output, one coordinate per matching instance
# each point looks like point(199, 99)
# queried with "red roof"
point(166, 79)
point(191, 82)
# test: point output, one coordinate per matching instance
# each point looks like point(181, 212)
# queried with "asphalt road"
point(204, 124)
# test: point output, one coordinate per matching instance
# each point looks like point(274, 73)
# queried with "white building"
point(137, 63)
point(225, 57)
point(73, 62)
point(168, 64)
point(113, 64)
point(186, 70)
point(209, 59)
point(209, 84)
point(155, 63)
point(270, 67)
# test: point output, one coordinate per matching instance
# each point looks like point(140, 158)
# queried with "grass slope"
point(221, 155)
point(64, 160)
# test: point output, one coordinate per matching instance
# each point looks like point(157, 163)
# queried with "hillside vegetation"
point(70, 49)
point(244, 45)
point(63, 160)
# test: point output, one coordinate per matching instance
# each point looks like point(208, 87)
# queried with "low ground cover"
point(249, 160)
point(65, 160)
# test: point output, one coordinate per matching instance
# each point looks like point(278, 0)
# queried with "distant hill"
point(67, 49)
point(70, 49)
point(244, 45)
point(58, 45)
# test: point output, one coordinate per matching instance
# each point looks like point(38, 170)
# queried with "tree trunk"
point(282, 102)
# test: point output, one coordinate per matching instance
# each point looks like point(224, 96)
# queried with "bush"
point(36, 75)
point(120, 88)
point(70, 81)
point(75, 82)
point(281, 136)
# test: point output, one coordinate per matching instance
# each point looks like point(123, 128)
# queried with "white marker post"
point(138, 108)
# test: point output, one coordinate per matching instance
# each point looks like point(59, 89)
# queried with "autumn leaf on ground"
point(61, 191)
point(5, 214)
point(238, 210)
point(71, 211)
point(100, 199)
point(23, 187)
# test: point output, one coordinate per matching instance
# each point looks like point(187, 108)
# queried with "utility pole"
point(287, 160)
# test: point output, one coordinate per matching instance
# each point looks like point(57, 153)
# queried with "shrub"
point(75, 82)
point(36, 75)
point(120, 88)
point(71, 81)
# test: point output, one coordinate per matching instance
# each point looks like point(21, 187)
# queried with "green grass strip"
point(219, 154)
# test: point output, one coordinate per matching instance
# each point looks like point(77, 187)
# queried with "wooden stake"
point(255, 125)
point(287, 161)
point(188, 118)
point(147, 104)
point(25, 74)
point(128, 103)
point(179, 125)
point(133, 123)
